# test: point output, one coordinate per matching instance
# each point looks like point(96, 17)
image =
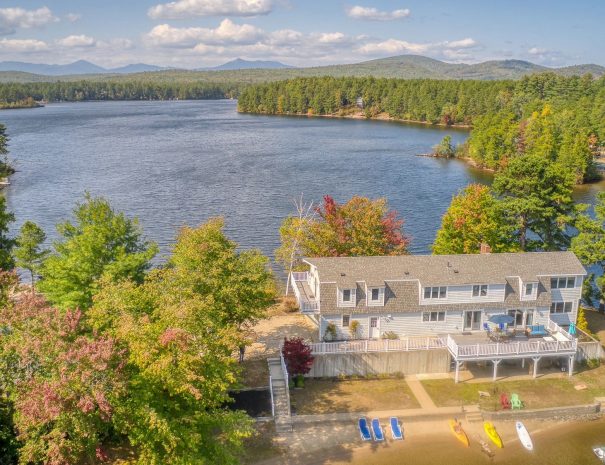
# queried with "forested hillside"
point(558, 117)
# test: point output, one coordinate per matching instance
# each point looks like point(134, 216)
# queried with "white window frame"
point(563, 282)
point(347, 303)
point(430, 313)
point(480, 289)
point(380, 301)
point(432, 291)
point(342, 322)
point(529, 287)
point(561, 307)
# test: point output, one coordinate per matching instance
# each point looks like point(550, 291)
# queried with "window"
point(433, 316)
point(561, 307)
point(376, 296)
point(346, 319)
point(562, 283)
point(480, 290)
point(346, 297)
point(435, 292)
point(529, 289)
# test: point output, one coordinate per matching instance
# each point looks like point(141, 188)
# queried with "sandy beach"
point(431, 443)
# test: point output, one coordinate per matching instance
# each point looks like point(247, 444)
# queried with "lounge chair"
point(515, 401)
point(536, 331)
point(396, 429)
point(377, 430)
point(504, 402)
point(364, 430)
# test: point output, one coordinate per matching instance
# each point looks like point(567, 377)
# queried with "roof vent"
point(406, 273)
point(456, 271)
point(449, 265)
point(343, 274)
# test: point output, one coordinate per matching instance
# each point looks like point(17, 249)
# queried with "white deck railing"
point(300, 275)
point(305, 306)
point(509, 349)
point(380, 345)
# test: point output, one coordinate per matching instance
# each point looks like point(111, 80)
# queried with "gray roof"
point(491, 268)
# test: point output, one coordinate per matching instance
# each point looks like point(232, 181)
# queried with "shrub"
point(389, 335)
point(290, 304)
point(297, 355)
point(330, 333)
point(354, 329)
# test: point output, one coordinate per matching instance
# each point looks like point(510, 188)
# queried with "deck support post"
point(496, 362)
point(571, 360)
point(536, 360)
point(522, 363)
point(457, 376)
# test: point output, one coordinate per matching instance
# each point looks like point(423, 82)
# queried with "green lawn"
point(334, 396)
point(535, 394)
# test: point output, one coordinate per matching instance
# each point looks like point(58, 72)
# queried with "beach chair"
point(364, 430)
point(396, 429)
point(377, 430)
point(504, 402)
point(515, 401)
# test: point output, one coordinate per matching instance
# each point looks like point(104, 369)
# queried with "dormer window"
point(376, 296)
point(480, 290)
point(529, 289)
point(437, 292)
point(346, 297)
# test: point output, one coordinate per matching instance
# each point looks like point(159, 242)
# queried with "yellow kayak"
point(456, 428)
point(491, 432)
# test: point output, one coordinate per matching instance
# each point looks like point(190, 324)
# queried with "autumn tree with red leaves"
point(359, 227)
point(297, 355)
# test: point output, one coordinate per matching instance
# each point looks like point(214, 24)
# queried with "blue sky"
point(197, 33)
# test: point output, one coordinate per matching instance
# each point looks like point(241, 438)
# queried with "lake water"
point(176, 163)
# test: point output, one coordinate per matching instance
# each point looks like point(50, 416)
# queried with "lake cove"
point(181, 162)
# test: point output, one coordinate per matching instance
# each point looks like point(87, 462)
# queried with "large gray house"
point(450, 298)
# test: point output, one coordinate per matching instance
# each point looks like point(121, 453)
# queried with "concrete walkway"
point(419, 392)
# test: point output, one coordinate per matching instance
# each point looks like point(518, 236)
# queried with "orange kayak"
point(457, 430)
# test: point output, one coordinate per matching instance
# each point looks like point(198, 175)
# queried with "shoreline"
point(431, 441)
point(359, 115)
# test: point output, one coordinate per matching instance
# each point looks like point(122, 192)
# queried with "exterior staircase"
point(473, 414)
point(280, 395)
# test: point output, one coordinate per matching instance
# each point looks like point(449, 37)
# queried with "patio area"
point(483, 346)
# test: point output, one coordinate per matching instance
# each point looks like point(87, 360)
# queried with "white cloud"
point(22, 45)
point(462, 43)
point(226, 32)
point(13, 18)
point(73, 17)
point(77, 41)
point(373, 14)
point(182, 9)
point(537, 51)
point(393, 46)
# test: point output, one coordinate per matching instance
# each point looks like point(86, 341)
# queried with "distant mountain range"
point(77, 67)
point(238, 63)
point(86, 67)
point(239, 70)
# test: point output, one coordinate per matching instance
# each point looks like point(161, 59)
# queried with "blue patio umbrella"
point(501, 319)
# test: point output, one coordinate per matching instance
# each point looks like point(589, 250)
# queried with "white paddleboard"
point(524, 436)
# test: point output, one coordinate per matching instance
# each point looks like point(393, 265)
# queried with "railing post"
point(518, 347)
point(557, 346)
point(477, 348)
point(427, 343)
point(407, 344)
point(366, 345)
point(497, 348)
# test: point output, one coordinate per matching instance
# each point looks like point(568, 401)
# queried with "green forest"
point(133, 89)
point(561, 118)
